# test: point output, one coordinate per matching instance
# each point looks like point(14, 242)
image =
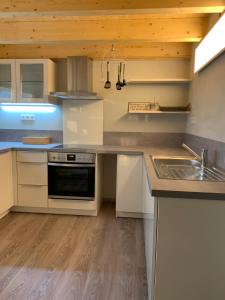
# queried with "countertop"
point(159, 187)
point(7, 146)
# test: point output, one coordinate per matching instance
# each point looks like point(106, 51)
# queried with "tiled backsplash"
point(143, 139)
point(216, 149)
point(15, 135)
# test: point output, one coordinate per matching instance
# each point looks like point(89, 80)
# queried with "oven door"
point(71, 181)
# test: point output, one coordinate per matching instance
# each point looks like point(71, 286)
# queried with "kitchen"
point(112, 150)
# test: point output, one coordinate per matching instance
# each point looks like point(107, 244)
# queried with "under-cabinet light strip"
point(28, 107)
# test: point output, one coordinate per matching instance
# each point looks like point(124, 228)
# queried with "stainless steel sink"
point(184, 168)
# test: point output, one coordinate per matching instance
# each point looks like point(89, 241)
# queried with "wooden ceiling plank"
point(151, 30)
point(100, 50)
point(115, 6)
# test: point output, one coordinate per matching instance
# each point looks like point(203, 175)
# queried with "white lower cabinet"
point(148, 199)
point(149, 208)
point(32, 188)
point(190, 249)
point(32, 178)
point(6, 182)
point(129, 186)
point(32, 195)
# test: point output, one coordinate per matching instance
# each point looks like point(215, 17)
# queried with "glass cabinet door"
point(31, 80)
point(7, 81)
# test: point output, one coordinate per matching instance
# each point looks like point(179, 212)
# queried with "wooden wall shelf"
point(146, 108)
point(159, 81)
point(158, 112)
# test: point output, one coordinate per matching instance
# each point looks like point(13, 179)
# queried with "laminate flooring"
point(58, 257)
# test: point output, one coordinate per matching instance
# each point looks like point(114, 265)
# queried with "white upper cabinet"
point(26, 80)
point(7, 80)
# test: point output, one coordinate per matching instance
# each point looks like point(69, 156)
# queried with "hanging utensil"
point(124, 81)
point(118, 84)
point(107, 83)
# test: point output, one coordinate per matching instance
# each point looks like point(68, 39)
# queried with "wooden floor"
point(68, 257)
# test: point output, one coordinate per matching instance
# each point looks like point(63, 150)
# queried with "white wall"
point(207, 95)
point(84, 122)
point(116, 117)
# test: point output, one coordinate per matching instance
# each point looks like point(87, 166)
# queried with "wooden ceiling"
point(139, 29)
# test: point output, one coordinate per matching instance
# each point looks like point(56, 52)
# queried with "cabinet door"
point(6, 182)
point(7, 80)
point(31, 79)
point(149, 208)
point(148, 199)
point(33, 195)
point(32, 173)
point(129, 184)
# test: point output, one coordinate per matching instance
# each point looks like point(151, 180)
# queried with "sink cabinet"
point(6, 182)
point(26, 80)
point(185, 246)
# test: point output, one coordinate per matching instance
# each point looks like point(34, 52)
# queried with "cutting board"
point(36, 140)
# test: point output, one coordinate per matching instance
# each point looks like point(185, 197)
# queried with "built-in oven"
point(71, 176)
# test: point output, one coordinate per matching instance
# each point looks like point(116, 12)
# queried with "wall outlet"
point(27, 117)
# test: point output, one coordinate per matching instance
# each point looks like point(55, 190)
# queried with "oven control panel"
point(78, 157)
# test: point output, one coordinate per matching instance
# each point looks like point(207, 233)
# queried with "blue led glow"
point(28, 107)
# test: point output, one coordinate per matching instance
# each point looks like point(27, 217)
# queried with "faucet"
point(203, 158)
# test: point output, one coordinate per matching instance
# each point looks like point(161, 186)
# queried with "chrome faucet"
point(204, 158)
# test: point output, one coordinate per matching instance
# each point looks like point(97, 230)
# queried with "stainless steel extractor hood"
point(79, 80)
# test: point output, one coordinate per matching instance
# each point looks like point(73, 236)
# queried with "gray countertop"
point(159, 187)
point(7, 146)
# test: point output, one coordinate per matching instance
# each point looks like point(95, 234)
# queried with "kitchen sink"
point(184, 168)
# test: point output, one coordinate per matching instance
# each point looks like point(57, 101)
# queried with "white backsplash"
point(42, 121)
point(83, 122)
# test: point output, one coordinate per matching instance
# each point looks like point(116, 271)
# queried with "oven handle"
point(71, 165)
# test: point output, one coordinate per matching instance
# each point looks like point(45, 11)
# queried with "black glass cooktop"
point(65, 146)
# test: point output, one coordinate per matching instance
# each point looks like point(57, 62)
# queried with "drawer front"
point(32, 156)
point(32, 173)
point(32, 195)
point(72, 204)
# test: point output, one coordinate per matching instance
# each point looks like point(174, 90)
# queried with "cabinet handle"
point(32, 162)
point(33, 185)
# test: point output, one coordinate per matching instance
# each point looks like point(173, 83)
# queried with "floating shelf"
point(158, 112)
point(146, 108)
point(161, 80)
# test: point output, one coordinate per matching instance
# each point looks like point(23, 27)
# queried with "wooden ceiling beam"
point(100, 50)
point(87, 7)
point(149, 29)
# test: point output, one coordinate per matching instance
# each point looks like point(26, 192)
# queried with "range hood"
point(79, 80)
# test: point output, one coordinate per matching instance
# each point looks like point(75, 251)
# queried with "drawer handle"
point(33, 185)
point(32, 162)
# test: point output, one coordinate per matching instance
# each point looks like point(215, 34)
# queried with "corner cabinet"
point(26, 80)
